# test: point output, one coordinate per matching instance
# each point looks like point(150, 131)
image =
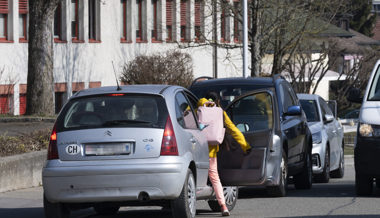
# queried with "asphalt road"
point(335, 199)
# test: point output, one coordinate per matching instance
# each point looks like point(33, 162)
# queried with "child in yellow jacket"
point(213, 149)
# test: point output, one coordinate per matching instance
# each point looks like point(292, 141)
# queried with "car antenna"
point(117, 82)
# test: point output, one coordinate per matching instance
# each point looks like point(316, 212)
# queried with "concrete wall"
point(21, 171)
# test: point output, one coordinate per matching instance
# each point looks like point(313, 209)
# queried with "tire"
point(55, 210)
point(106, 210)
point(231, 196)
point(184, 206)
point(324, 177)
point(377, 182)
point(339, 173)
point(280, 191)
point(304, 180)
point(363, 184)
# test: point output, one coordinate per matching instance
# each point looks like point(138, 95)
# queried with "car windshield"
point(374, 92)
point(227, 92)
point(311, 110)
point(113, 111)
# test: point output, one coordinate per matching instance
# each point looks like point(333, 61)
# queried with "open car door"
point(253, 114)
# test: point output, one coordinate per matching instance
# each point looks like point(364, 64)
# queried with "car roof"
point(141, 89)
point(308, 96)
point(263, 81)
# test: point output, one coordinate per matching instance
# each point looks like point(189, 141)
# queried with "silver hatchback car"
point(138, 145)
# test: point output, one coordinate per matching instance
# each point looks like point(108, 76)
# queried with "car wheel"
point(280, 190)
point(324, 177)
point(339, 173)
point(184, 206)
point(304, 180)
point(230, 195)
point(363, 184)
point(55, 210)
point(106, 209)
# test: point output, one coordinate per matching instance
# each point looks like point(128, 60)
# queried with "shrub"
point(171, 67)
point(36, 141)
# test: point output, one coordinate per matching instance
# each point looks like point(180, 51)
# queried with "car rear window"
point(227, 92)
point(113, 110)
point(311, 110)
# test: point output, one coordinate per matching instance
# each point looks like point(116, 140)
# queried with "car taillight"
point(169, 143)
point(53, 149)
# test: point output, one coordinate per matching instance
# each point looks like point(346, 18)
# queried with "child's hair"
point(212, 95)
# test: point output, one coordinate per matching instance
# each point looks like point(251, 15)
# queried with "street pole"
point(215, 39)
point(245, 38)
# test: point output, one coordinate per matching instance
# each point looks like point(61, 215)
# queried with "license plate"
point(108, 149)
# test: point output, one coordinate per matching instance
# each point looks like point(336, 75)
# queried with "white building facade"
point(93, 35)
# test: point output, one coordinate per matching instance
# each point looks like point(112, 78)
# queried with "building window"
point(58, 23)
point(223, 25)
point(169, 20)
point(23, 24)
point(3, 19)
point(123, 20)
point(237, 25)
point(155, 20)
point(183, 12)
point(139, 21)
point(92, 19)
point(198, 15)
point(75, 20)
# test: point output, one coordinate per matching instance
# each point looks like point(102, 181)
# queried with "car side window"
point(325, 107)
point(286, 98)
point(253, 112)
point(184, 113)
point(292, 95)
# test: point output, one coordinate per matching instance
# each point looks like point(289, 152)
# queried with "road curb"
point(21, 171)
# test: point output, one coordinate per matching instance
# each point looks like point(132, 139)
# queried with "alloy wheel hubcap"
point(191, 195)
point(230, 194)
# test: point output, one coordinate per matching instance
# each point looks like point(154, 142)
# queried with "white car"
point(327, 133)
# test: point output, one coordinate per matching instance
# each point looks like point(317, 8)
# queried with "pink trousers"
point(215, 181)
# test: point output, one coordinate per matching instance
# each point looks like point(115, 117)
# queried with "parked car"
point(268, 113)
point(354, 114)
point(137, 145)
point(367, 149)
point(327, 132)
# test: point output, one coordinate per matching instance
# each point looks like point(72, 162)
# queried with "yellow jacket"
point(231, 129)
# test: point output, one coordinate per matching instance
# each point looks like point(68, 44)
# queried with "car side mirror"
point(354, 95)
point(294, 111)
point(328, 118)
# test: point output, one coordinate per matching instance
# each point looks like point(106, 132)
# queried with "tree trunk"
point(255, 40)
point(40, 87)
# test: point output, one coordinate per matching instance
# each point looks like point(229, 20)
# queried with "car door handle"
point(193, 140)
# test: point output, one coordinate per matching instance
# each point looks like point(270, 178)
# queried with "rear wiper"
point(116, 122)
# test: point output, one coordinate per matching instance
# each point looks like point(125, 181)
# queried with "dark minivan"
point(268, 113)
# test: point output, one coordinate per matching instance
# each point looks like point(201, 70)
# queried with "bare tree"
point(275, 27)
point(171, 67)
point(40, 88)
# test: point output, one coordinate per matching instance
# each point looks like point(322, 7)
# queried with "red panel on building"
point(183, 12)
point(4, 6)
point(23, 6)
point(4, 104)
point(169, 12)
point(22, 104)
point(197, 9)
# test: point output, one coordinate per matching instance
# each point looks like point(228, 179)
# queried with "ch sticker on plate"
point(73, 149)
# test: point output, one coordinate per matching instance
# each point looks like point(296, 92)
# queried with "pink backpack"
point(212, 117)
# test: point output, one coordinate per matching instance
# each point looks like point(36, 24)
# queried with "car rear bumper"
point(121, 181)
point(367, 153)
